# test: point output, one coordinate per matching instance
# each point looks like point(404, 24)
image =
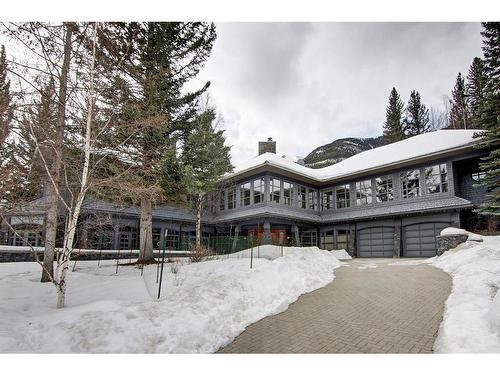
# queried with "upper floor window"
point(410, 184)
point(231, 198)
point(326, 200)
point(258, 190)
point(288, 193)
point(436, 179)
point(222, 200)
point(383, 186)
point(312, 195)
point(302, 197)
point(363, 192)
point(274, 190)
point(245, 191)
point(478, 176)
point(343, 196)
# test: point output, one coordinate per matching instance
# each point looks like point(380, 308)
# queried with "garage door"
point(377, 242)
point(419, 240)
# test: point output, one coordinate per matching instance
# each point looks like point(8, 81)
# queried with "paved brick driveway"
point(370, 307)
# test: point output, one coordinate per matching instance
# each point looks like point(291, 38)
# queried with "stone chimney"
point(267, 146)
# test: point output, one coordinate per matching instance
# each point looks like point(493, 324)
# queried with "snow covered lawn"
point(471, 322)
point(204, 305)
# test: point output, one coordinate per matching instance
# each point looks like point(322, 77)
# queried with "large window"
point(384, 188)
point(309, 238)
point(342, 239)
point(245, 191)
point(363, 192)
point(288, 193)
point(410, 184)
point(302, 197)
point(231, 198)
point(343, 196)
point(222, 200)
point(312, 196)
point(326, 200)
point(258, 190)
point(172, 239)
point(274, 190)
point(436, 179)
point(327, 240)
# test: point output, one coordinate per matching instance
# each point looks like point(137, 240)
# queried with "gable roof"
point(414, 148)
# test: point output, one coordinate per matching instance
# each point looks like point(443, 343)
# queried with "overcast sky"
point(307, 84)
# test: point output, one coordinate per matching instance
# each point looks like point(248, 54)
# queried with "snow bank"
point(204, 306)
point(471, 322)
point(453, 231)
point(341, 254)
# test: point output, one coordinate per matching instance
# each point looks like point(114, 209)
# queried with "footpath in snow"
point(203, 307)
point(471, 322)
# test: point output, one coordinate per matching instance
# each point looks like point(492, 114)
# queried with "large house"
point(390, 201)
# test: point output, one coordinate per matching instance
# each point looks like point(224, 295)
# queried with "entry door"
point(376, 242)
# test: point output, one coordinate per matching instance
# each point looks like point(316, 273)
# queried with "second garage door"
point(419, 240)
point(377, 242)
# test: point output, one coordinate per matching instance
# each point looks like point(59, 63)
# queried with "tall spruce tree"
point(489, 119)
point(154, 61)
point(417, 116)
point(474, 88)
point(393, 126)
point(459, 112)
point(204, 160)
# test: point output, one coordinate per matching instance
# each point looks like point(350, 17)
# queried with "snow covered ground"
point(203, 305)
point(471, 322)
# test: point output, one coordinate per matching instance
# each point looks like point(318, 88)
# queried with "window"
point(327, 240)
point(343, 196)
point(302, 196)
point(258, 191)
point(342, 239)
point(383, 186)
point(326, 200)
point(436, 179)
point(222, 200)
point(309, 238)
point(288, 193)
point(478, 176)
point(231, 198)
point(410, 184)
point(172, 239)
point(363, 192)
point(312, 196)
point(245, 192)
point(274, 190)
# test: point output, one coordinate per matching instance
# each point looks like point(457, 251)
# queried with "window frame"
point(325, 204)
point(259, 190)
point(367, 198)
point(405, 191)
point(388, 183)
point(246, 188)
point(274, 193)
point(346, 196)
point(434, 182)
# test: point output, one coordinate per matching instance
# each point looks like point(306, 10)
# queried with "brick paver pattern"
point(370, 307)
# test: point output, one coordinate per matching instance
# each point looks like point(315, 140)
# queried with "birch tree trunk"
point(51, 219)
point(146, 231)
point(69, 238)
point(198, 219)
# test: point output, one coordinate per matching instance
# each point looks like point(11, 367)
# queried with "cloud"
point(306, 84)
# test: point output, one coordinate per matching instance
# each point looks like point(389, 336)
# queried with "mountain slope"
point(339, 150)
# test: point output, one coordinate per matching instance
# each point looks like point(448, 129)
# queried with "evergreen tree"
point(417, 116)
point(476, 81)
point(204, 160)
point(6, 105)
point(489, 119)
point(393, 126)
point(154, 62)
point(459, 112)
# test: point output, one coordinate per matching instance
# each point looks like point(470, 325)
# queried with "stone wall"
point(445, 243)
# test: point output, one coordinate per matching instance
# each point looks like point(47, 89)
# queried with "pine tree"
point(476, 81)
point(489, 119)
point(459, 112)
point(417, 116)
point(154, 61)
point(204, 160)
point(6, 105)
point(393, 126)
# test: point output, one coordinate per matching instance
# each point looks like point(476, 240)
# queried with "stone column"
point(266, 237)
point(397, 238)
point(235, 238)
point(351, 241)
point(295, 230)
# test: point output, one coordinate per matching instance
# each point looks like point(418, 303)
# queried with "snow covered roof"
point(414, 148)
